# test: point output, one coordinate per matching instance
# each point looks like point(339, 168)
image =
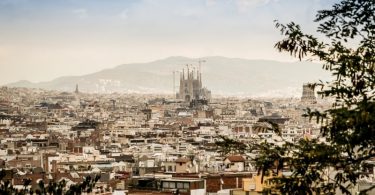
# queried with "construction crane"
point(174, 81)
point(200, 61)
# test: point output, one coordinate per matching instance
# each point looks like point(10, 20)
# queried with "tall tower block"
point(308, 94)
point(76, 91)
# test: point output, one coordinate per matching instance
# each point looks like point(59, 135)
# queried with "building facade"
point(308, 94)
point(191, 86)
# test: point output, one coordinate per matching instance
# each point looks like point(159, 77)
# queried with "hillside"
point(224, 76)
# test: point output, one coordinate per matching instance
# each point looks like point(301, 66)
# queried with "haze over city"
point(187, 97)
point(44, 40)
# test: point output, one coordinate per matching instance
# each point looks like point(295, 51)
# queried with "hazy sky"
point(44, 39)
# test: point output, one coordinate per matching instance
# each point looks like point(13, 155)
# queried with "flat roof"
point(182, 179)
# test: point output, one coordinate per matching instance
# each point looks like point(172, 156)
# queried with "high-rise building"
point(191, 86)
point(76, 91)
point(308, 94)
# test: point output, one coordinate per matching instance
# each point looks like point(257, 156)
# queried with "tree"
point(229, 146)
point(53, 188)
point(348, 128)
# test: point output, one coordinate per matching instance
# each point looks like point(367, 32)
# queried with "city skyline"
point(188, 97)
point(51, 39)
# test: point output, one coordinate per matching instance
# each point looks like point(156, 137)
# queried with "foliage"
point(334, 160)
point(229, 146)
point(53, 188)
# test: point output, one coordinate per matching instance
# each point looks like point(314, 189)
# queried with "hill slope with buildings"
point(224, 76)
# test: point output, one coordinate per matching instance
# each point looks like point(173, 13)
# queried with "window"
point(180, 185)
point(169, 184)
point(201, 185)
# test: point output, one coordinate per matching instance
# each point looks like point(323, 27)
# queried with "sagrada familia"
point(191, 86)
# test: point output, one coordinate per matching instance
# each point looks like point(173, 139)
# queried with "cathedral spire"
point(191, 85)
point(188, 71)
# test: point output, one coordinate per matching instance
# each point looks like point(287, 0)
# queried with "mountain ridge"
point(222, 75)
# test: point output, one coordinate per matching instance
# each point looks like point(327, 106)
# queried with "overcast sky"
point(44, 39)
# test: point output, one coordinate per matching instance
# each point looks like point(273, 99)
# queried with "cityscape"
point(165, 124)
point(144, 143)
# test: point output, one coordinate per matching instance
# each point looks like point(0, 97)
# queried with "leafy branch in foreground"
point(229, 146)
point(56, 188)
point(333, 161)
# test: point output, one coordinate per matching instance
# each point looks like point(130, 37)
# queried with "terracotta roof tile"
point(235, 158)
point(182, 160)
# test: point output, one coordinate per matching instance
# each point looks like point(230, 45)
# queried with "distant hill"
point(224, 76)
